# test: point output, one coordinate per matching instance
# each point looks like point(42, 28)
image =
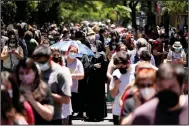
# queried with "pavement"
point(107, 120)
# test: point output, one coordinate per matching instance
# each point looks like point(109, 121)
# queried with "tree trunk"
point(132, 6)
point(149, 17)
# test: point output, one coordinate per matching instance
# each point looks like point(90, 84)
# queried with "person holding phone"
point(12, 53)
point(96, 100)
point(121, 77)
point(177, 54)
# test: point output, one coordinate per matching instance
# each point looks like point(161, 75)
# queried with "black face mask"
point(123, 70)
point(56, 59)
point(167, 99)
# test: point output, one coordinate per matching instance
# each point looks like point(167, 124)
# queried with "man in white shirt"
point(122, 76)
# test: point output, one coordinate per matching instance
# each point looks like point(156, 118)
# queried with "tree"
point(8, 11)
point(180, 6)
point(132, 5)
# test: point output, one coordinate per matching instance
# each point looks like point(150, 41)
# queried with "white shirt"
point(173, 55)
point(12, 58)
point(67, 108)
point(125, 80)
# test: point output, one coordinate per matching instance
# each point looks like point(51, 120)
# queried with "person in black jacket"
point(96, 100)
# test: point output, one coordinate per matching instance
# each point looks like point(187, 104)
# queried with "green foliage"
point(8, 9)
point(65, 10)
point(180, 6)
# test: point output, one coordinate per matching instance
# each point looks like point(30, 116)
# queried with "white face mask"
point(44, 67)
point(93, 49)
point(10, 92)
point(113, 47)
point(147, 93)
point(52, 42)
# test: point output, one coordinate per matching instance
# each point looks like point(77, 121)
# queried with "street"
point(107, 120)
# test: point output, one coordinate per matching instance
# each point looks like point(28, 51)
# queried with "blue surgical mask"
point(177, 50)
point(72, 55)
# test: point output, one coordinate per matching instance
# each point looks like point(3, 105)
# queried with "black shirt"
point(47, 100)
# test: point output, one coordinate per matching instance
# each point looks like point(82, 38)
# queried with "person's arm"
point(46, 111)
point(80, 73)
point(110, 69)
point(169, 57)
point(4, 54)
point(114, 87)
point(20, 55)
point(64, 82)
point(61, 99)
point(127, 120)
point(182, 61)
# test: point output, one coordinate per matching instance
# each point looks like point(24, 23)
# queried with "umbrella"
point(82, 49)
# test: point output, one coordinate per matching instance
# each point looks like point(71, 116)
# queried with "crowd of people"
point(146, 75)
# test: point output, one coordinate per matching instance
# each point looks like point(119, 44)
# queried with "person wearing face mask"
point(35, 91)
point(170, 106)
point(12, 53)
point(9, 83)
point(111, 67)
point(142, 91)
point(58, 78)
point(177, 54)
point(57, 58)
point(96, 109)
point(110, 50)
point(77, 72)
point(123, 75)
point(30, 42)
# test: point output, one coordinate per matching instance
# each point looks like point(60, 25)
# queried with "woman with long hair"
point(111, 49)
point(22, 107)
point(35, 91)
point(9, 113)
point(12, 53)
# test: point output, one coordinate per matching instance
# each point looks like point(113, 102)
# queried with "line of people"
point(42, 85)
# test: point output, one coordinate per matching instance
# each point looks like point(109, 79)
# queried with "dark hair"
point(29, 64)
point(170, 71)
point(121, 58)
point(16, 39)
point(161, 36)
point(6, 103)
point(111, 43)
point(102, 31)
point(42, 51)
point(39, 88)
point(118, 47)
point(145, 55)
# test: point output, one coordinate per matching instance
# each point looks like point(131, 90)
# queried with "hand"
point(136, 95)
point(25, 88)
point(28, 96)
point(175, 61)
point(14, 52)
point(10, 52)
point(179, 60)
point(165, 52)
point(117, 81)
point(98, 65)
